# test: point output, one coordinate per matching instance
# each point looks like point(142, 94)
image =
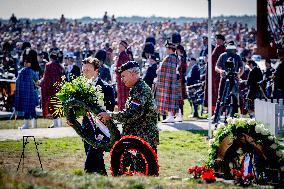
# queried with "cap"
point(128, 65)
point(193, 59)
point(204, 37)
point(231, 45)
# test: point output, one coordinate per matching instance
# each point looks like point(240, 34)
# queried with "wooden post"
point(262, 38)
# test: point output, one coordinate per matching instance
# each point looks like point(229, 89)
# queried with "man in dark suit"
point(278, 76)
point(151, 74)
point(193, 77)
point(95, 161)
point(104, 71)
point(71, 71)
point(87, 52)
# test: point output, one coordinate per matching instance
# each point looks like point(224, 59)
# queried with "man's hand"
point(223, 73)
point(69, 123)
point(104, 116)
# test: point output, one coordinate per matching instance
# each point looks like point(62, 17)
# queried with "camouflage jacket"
point(139, 117)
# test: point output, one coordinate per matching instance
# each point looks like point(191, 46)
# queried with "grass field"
point(63, 161)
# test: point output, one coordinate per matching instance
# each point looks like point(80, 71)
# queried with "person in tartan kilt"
point(26, 96)
point(122, 90)
point(167, 97)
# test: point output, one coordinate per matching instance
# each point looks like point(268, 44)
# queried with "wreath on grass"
point(243, 138)
point(81, 98)
point(132, 155)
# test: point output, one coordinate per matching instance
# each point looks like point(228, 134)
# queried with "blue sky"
point(96, 8)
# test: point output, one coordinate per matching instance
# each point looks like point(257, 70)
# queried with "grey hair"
point(134, 70)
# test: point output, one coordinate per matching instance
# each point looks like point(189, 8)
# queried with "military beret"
point(128, 65)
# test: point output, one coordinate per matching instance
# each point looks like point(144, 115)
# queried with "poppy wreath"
point(246, 136)
point(88, 131)
point(132, 155)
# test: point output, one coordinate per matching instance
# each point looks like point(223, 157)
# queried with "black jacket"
point(150, 75)
point(108, 94)
point(254, 77)
point(75, 72)
point(195, 75)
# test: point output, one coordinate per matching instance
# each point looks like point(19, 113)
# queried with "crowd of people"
point(171, 56)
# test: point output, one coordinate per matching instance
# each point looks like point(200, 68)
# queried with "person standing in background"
point(26, 95)
point(167, 87)
point(122, 90)
point(53, 74)
point(220, 48)
point(72, 71)
point(182, 74)
point(104, 71)
point(255, 76)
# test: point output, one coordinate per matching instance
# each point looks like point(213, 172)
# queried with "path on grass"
point(16, 134)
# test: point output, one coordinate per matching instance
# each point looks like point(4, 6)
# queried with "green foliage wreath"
point(79, 97)
point(242, 136)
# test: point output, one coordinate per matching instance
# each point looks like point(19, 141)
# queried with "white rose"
point(211, 141)
point(221, 126)
point(264, 131)
point(259, 128)
point(215, 132)
point(251, 121)
point(235, 121)
point(279, 153)
point(271, 138)
point(229, 120)
point(274, 146)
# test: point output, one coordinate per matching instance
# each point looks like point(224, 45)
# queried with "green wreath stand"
point(71, 109)
point(236, 139)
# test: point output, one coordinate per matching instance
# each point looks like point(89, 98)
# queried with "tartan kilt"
point(168, 93)
point(26, 94)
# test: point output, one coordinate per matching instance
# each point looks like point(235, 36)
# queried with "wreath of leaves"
point(235, 130)
point(80, 89)
point(79, 97)
point(70, 112)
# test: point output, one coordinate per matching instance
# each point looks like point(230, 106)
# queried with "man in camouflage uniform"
point(139, 118)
